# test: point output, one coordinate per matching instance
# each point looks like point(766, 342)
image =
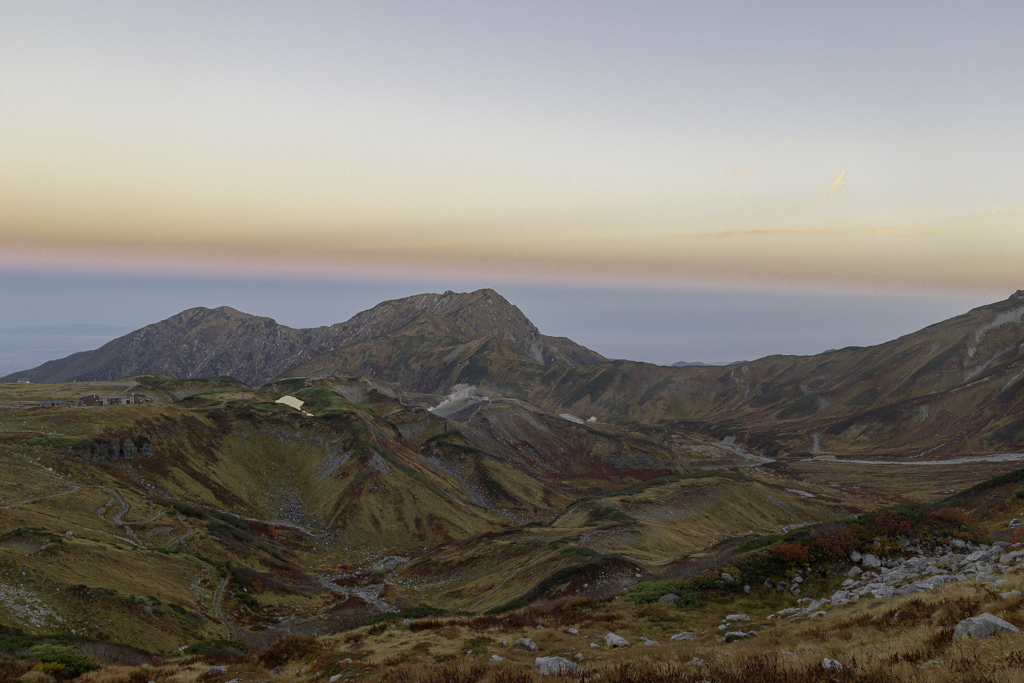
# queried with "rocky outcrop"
point(927, 567)
point(109, 450)
point(932, 565)
point(554, 665)
point(983, 626)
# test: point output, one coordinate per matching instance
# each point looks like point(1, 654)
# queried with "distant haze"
point(666, 143)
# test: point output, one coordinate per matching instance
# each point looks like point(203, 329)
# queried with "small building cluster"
point(97, 400)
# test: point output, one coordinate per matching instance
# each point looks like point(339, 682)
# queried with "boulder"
point(334, 679)
point(578, 656)
point(276, 670)
point(726, 576)
point(1009, 558)
point(871, 561)
point(983, 626)
point(573, 632)
point(736, 635)
point(554, 665)
point(831, 665)
point(841, 597)
point(687, 635)
point(648, 641)
point(527, 643)
point(855, 557)
point(854, 571)
point(737, 617)
point(615, 641)
point(668, 597)
point(496, 658)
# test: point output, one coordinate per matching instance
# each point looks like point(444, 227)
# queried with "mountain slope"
point(201, 342)
point(956, 386)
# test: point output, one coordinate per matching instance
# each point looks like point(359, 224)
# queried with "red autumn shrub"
point(892, 523)
point(832, 541)
point(1018, 535)
point(953, 516)
point(792, 553)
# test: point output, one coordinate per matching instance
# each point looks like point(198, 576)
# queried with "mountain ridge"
point(203, 342)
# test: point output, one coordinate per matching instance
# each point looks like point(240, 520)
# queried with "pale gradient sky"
point(590, 146)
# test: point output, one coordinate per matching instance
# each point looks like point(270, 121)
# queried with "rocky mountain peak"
point(204, 342)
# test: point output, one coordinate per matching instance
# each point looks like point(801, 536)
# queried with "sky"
point(725, 177)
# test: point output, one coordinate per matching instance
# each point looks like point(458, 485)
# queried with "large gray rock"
point(856, 556)
point(668, 597)
point(554, 665)
point(831, 665)
point(1009, 558)
point(842, 597)
point(871, 561)
point(983, 626)
point(688, 635)
point(615, 641)
point(527, 643)
point(737, 617)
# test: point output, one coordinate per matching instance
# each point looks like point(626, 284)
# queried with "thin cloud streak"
point(838, 182)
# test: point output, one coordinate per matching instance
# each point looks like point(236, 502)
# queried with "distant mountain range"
point(685, 364)
point(955, 385)
point(202, 342)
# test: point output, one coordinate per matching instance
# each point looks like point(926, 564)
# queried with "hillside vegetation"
point(437, 479)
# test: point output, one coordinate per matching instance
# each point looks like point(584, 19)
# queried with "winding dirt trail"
point(233, 632)
point(188, 532)
point(39, 498)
